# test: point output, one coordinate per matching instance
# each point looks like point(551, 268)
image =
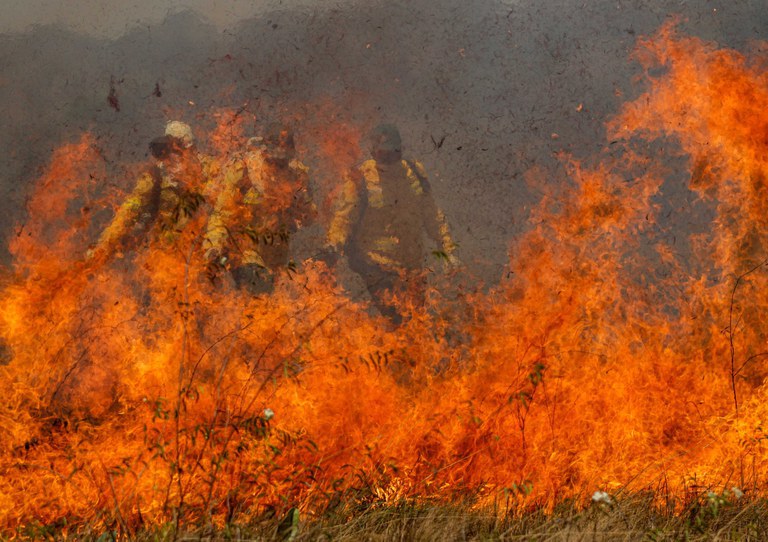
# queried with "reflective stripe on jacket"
point(384, 211)
point(259, 207)
point(159, 198)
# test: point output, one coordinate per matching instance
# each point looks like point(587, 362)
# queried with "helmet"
point(278, 139)
point(162, 147)
point(180, 131)
point(385, 142)
point(256, 142)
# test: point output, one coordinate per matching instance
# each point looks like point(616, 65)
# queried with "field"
point(610, 386)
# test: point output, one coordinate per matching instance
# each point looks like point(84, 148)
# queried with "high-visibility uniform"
point(163, 199)
point(385, 216)
point(380, 218)
point(260, 206)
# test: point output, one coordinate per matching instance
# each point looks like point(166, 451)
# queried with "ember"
point(138, 390)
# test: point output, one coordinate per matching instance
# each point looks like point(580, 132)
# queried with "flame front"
point(137, 391)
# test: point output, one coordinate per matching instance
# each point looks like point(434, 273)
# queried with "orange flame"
point(136, 391)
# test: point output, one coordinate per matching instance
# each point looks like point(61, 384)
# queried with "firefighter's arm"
point(446, 240)
point(343, 213)
point(304, 201)
point(125, 217)
point(221, 218)
point(434, 219)
point(212, 177)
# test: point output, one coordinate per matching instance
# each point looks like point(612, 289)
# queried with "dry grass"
point(632, 518)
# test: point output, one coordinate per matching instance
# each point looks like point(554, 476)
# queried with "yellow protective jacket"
point(381, 213)
point(260, 206)
point(162, 200)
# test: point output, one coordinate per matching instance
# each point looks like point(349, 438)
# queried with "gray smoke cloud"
point(482, 90)
point(113, 18)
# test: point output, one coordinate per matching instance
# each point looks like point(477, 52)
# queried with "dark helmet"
point(386, 144)
point(164, 146)
point(279, 143)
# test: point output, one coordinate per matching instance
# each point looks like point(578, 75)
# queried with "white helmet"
point(256, 143)
point(180, 131)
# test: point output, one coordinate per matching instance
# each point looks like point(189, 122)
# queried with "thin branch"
point(731, 343)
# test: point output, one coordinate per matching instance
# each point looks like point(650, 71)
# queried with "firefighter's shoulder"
point(369, 171)
point(297, 165)
point(144, 183)
point(417, 176)
point(367, 165)
point(420, 170)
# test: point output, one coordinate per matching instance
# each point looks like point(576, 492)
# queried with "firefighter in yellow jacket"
point(265, 199)
point(165, 197)
point(380, 218)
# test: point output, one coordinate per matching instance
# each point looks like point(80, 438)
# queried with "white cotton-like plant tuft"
point(601, 497)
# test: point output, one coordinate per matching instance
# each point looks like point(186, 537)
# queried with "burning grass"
point(141, 395)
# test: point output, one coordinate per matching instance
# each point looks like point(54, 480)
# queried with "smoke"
point(484, 92)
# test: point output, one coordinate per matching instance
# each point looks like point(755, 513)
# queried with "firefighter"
point(379, 220)
point(164, 198)
point(265, 199)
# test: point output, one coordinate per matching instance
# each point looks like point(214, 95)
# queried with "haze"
point(502, 86)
